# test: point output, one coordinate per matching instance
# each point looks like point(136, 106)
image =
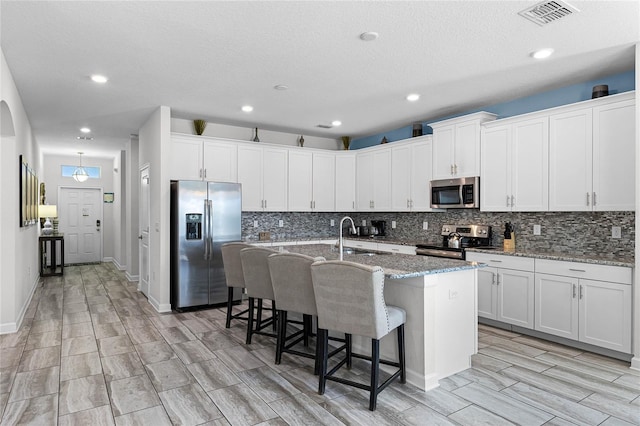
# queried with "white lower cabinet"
point(576, 306)
point(506, 288)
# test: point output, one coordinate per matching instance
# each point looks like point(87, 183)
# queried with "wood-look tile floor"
point(92, 351)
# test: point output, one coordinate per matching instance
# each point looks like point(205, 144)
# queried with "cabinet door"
point(364, 185)
point(300, 181)
point(186, 159)
point(614, 156)
point(381, 174)
point(250, 176)
point(605, 314)
point(487, 293)
point(274, 179)
point(401, 178)
point(556, 305)
point(443, 141)
point(516, 297)
point(570, 161)
point(345, 182)
point(467, 150)
point(220, 161)
point(324, 177)
point(495, 181)
point(421, 174)
point(530, 165)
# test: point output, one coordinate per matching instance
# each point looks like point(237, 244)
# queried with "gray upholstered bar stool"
point(293, 290)
point(257, 281)
point(234, 276)
point(350, 299)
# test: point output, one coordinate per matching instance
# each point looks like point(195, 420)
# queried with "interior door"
point(143, 221)
point(80, 219)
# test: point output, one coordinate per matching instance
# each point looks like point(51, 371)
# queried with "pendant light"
point(80, 174)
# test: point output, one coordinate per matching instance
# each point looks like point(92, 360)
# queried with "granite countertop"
point(563, 256)
point(395, 265)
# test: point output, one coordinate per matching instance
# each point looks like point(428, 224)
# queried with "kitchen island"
point(440, 298)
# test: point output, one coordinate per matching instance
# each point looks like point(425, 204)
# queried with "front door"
point(144, 230)
point(80, 220)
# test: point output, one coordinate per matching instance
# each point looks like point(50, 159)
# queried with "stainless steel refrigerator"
point(204, 215)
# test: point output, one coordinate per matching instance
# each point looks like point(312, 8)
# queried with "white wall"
point(635, 362)
point(154, 140)
point(18, 245)
point(119, 206)
point(131, 211)
point(54, 181)
point(180, 125)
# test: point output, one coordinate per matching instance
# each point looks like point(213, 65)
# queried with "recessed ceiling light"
point(281, 87)
point(84, 138)
point(368, 36)
point(542, 53)
point(413, 97)
point(247, 108)
point(85, 130)
point(336, 123)
point(99, 78)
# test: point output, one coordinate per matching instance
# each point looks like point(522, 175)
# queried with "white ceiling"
point(206, 59)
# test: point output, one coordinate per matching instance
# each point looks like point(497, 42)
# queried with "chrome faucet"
point(353, 230)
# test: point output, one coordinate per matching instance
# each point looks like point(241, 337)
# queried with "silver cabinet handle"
point(200, 172)
point(594, 198)
point(265, 204)
point(513, 201)
point(507, 201)
point(577, 270)
point(495, 261)
point(493, 280)
point(310, 204)
point(455, 169)
point(205, 173)
point(574, 291)
point(498, 280)
point(451, 166)
point(353, 205)
point(587, 198)
point(581, 290)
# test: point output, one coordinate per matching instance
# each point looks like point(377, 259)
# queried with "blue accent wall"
point(617, 83)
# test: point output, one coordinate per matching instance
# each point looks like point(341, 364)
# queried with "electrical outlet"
point(393, 224)
point(281, 223)
point(616, 232)
point(453, 294)
point(364, 222)
point(333, 222)
point(425, 225)
point(536, 229)
point(255, 223)
point(264, 236)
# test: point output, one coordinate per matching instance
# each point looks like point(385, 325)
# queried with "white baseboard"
point(160, 307)
point(107, 259)
point(132, 277)
point(12, 327)
point(117, 264)
point(635, 363)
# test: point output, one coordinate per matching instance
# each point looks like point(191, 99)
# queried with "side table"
point(48, 244)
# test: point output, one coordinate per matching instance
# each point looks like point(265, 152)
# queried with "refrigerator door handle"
point(210, 230)
point(205, 236)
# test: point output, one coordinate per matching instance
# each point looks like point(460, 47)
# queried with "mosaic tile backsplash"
point(575, 232)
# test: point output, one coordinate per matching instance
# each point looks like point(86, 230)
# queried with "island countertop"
point(395, 265)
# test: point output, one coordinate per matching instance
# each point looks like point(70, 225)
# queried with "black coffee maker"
point(380, 226)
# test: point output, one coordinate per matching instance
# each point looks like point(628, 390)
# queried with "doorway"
point(143, 223)
point(80, 220)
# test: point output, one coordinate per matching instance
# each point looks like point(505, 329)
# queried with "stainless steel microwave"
point(456, 193)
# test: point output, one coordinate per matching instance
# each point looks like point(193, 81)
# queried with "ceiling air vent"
point(324, 126)
point(548, 11)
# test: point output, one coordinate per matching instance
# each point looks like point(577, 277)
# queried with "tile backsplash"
point(575, 232)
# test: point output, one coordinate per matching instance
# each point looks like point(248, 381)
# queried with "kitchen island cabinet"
point(439, 297)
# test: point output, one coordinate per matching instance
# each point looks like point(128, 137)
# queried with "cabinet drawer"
point(396, 248)
point(616, 274)
point(502, 261)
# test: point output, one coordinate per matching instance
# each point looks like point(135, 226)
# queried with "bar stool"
point(350, 299)
point(257, 281)
point(293, 290)
point(234, 276)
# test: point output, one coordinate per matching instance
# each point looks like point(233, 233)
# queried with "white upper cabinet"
point(410, 175)
point(515, 158)
point(592, 156)
point(373, 177)
point(311, 181)
point(262, 171)
point(345, 183)
point(456, 145)
point(198, 158)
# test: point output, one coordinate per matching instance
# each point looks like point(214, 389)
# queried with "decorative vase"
point(346, 141)
point(256, 138)
point(301, 141)
point(417, 130)
point(384, 140)
point(199, 126)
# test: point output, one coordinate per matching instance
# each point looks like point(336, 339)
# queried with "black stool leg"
point(250, 322)
point(347, 342)
point(323, 341)
point(259, 319)
point(282, 335)
point(375, 370)
point(307, 325)
point(401, 355)
point(229, 306)
point(274, 314)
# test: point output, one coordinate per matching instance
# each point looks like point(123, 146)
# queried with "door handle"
point(139, 237)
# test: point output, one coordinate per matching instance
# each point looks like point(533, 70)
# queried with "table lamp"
point(47, 211)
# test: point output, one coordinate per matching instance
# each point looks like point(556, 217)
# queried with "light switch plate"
point(393, 224)
point(537, 229)
point(364, 222)
point(281, 223)
point(616, 232)
point(255, 223)
point(333, 222)
point(425, 225)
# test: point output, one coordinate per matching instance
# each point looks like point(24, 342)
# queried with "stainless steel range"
point(455, 239)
